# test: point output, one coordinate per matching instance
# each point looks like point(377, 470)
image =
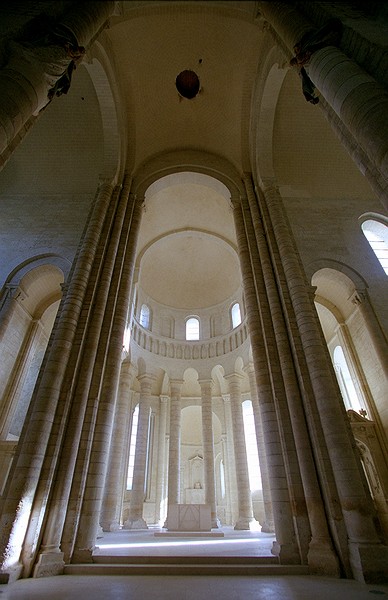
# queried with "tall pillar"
point(27, 465)
point(32, 75)
point(208, 448)
point(113, 494)
point(246, 519)
point(174, 455)
point(160, 509)
point(81, 369)
point(368, 557)
point(230, 461)
point(358, 99)
point(268, 526)
point(135, 518)
point(285, 546)
point(313, 535)
point(104, 388)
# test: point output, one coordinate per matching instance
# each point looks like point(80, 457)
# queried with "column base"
point(82, 555)
point(268, 527)
point(135, 524)
point(322, 560)
point(369, 562)
point(247, 524)
point(107, 527)
point(11, 574)
point(216, 523)
point(287, 554)
point(50, 563)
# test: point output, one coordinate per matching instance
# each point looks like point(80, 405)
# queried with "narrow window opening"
point(236, 315)
point(192, 329)
point(377, 235)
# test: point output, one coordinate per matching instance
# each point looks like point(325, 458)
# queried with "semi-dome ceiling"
point(190, 270)
point(187, 255)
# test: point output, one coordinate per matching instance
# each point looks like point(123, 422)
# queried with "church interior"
point(193, 287)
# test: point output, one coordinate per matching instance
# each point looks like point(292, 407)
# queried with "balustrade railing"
point(193, 350)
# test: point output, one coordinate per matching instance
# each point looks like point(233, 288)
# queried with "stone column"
point(359, 101)
point(81, 368)
point(135, 519)
point(313, 535)
point(268, 526)
point(113, 494)
point(112, 335)
point(208, 448)
point(26, 470)
point(285, 546)
point(28, 80)
point(367, 555)
point(246, 519)
point(174, 455)
point(231, 463)
point(161, 472)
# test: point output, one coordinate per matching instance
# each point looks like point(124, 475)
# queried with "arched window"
point(349, 394)
point(251, 446)
point(376, 232)
point(192, 329)
point(145, 316)
point(236, 315)
point(132, 448)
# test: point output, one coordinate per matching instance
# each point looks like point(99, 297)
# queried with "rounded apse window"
point(187, 84)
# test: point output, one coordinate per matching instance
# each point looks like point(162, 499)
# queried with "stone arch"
point(263, 117)
point(30, 312)
point(101, 74)
point(63, 264)
point(189, 161)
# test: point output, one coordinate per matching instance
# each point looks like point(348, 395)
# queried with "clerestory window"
point(236, 315)
point(376, 232)
point(192, 329)
point(145, 316)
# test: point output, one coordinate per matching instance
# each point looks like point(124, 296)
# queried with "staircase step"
point(178, 568)
point(198, 560)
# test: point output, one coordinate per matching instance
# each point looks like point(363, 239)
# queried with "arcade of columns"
point(316, 496)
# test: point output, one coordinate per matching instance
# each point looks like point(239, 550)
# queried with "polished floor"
point(172, 587)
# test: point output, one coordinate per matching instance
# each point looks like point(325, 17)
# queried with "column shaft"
point(28, 462)
point(268, 526)
point(208, 448)
point(135, 519)
point(116, 474)
point(356, 503)
point(245, 510)
point(160, 508)
point(174, 455)
point(285, 546)
point(314, 538)
point(114, 324)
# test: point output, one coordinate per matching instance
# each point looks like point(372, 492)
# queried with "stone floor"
point(171, 587)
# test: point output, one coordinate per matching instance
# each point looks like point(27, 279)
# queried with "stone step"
point(180, 569)
point(192, 559)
